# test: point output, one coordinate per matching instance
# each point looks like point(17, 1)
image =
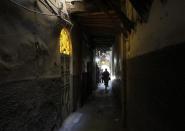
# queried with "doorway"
point(65, 59)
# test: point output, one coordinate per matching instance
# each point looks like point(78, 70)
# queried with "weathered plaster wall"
point(28, 43)
point(165, 27)
point(30, 84)
point(117, 70)
point(155, 70)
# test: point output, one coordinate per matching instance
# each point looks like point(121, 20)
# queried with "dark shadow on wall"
point(116, 90)
point(156, 90)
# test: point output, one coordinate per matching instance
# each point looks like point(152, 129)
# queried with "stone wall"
point(30, 84)
point(31, 105)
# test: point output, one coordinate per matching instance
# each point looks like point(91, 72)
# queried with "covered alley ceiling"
point(101, 27)
point(101, 21)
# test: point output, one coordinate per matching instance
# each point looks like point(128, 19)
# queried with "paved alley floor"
point(99, 114)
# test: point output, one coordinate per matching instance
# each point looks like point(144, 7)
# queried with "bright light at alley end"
point(97, 59)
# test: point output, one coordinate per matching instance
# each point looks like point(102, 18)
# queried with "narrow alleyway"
point(99, 114)
point(54, 52)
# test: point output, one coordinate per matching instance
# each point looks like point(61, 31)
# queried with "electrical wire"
point(56, 6)
point(4, 36)
point(41, 13)
point(42, 2)
point(53, 5)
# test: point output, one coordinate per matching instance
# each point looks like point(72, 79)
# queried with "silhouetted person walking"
point(106, 78)
point(101, 76)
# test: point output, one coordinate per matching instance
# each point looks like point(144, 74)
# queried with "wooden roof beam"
point(128, 24)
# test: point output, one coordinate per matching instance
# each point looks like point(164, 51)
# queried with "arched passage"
point(65, 42)
point(65, 58)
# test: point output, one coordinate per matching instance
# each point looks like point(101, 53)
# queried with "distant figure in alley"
point(106, 78)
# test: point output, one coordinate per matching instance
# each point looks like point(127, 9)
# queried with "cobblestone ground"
point(99, 114)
